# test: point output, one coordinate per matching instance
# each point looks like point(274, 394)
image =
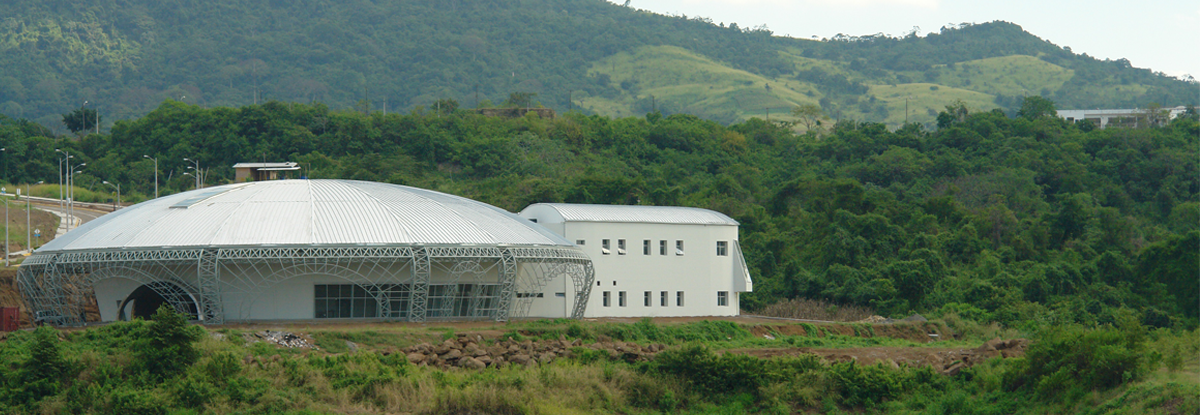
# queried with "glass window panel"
point(320, 291)
point(343, 308)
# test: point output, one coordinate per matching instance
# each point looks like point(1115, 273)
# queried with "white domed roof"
point(305, 213)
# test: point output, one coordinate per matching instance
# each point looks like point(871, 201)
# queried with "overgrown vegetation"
point(118, 60)
point(103, 370)
point(1018, 221)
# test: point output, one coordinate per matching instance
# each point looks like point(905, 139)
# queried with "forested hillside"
point(125, 57)
point(1016, 220)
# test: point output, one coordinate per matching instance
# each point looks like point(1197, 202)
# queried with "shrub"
point(866, 385)
point(710, 373)
point(1066, 358)
point(170, 345)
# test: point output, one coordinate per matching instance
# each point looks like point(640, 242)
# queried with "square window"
point(621, 298)
point(320, 292)
point(605, 246)
point(608, 299)
point(722, 248)
point(678, 247)
point(620, 247)
point(662, 247)
point(646, 300)
point(646, 247)
point(679, 298)
point(723, 298)
point(662, 299)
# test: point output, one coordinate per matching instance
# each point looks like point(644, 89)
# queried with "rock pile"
point(471, 352)
point(955, 362)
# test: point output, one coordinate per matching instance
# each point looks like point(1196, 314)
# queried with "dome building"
point(304, 249)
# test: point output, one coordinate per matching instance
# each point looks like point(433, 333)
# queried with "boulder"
point(415, 357)
point(472, 363)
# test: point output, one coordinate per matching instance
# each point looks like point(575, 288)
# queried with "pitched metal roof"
point(638, 214)
point(287, 164)
point(305, 213)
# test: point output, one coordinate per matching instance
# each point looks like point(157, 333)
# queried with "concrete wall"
point(699, 273)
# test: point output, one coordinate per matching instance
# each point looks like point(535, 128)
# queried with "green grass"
point(1015, 75)
point(684, 81)
point(691, 83)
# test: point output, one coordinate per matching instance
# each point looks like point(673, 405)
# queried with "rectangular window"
point(343, 301)
point(679, 298)
point(620, 247)
point(723, 298)
point(662, 247)
point(530, 295)
point(580, 242)
point(722, 248)
point(605, 246)
point(621, 298)
point(608, 299)
point(560, 295)
point(646, 247)
point(662, 299)
point(678, 247)
point(646, 299)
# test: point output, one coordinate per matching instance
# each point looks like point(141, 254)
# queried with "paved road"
point(80, 216)
point(83, 215)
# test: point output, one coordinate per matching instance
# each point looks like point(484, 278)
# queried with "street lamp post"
point(155, 173)
point(71, 191)
point(118, 186)
point(61, 199)
point(4, 194)
point(199, 173)
point(28, 222)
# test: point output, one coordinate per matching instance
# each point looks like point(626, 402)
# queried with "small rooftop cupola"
point(255, 172)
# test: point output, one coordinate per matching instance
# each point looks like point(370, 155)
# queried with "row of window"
point(442, 300)
point(606, 247)
point(647, 297)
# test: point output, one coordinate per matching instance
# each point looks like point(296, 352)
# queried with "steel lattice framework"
point(473, 282)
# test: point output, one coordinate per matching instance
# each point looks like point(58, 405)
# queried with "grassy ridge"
point(683, 81)
point(104, 370)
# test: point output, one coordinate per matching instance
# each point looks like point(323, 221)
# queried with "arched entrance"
point(146, 299)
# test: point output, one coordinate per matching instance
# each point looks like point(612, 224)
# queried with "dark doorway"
point(146, 300)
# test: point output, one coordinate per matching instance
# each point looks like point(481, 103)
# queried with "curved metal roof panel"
point(305, 213)
point(639, 214)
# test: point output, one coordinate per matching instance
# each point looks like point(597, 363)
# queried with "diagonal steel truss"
point(470, 283)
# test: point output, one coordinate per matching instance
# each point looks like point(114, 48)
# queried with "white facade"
point(649, 261)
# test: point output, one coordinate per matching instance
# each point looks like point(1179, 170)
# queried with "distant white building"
point(650, 261)
point(1129, 118)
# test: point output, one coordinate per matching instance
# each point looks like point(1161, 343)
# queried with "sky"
point(1161, 35)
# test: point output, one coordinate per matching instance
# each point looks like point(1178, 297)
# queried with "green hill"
point(124, 58)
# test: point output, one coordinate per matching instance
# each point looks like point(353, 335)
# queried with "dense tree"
point(1022, 219)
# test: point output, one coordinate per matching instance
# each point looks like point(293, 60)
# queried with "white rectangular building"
point(650, 261)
